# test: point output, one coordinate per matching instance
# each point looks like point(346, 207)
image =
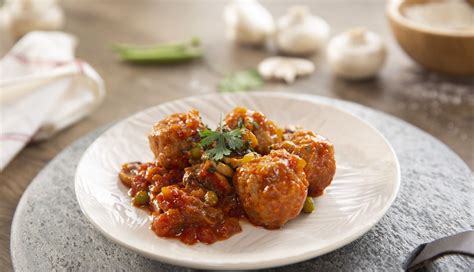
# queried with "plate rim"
point(266, 263)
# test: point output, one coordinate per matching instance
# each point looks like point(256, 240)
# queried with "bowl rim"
point(394, 13)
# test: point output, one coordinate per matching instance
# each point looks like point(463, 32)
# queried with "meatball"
point(172, 138)
point(318, 153)
point(266, 132)
point(272, 189)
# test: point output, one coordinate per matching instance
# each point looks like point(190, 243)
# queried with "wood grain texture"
point(440, 106)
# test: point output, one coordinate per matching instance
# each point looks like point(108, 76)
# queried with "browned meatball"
point(318, 153)
point(172, 138)
point(266, 132)
point(272, 189)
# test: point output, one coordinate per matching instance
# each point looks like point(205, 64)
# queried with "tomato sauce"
point(178, 204)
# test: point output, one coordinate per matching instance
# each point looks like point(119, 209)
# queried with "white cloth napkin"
point(43, 89)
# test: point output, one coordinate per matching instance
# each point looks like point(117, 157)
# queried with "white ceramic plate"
point(365, 185)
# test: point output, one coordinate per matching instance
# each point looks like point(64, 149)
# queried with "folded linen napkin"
point(43, 89)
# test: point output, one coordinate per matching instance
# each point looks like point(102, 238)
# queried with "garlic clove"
point(356, 54)
point(285, 68)
point(301, 33)
point(248, 22)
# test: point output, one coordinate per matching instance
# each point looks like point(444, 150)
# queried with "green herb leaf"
point(207, 137)
point(240, 81)
point(234, 139)
point(221, 142)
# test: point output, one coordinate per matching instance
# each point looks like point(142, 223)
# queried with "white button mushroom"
point(285, 68)
point(356, 54)
point(28, 15)
point(301, 33)
point(248, 22)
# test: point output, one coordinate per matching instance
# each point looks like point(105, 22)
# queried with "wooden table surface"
point(443, 107)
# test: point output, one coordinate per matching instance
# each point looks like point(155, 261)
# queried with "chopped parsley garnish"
point(220, 142)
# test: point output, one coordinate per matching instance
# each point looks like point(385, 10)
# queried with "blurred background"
point(439, 105)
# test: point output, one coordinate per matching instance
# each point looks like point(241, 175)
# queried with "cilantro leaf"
point(221, 142)
point(234, 139)
point(240, 81)
point(207, 137)
point(219, 151)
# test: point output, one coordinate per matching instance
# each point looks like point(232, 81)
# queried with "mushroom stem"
point(298, 13)
point(358, 35)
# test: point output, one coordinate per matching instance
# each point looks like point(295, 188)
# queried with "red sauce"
point(179, 208)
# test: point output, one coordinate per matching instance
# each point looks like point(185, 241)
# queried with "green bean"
point(308, 206)
point(160, 53)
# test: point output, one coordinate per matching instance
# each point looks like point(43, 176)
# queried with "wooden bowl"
point(444, 51)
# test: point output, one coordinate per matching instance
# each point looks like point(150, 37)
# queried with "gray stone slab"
point(49, 232)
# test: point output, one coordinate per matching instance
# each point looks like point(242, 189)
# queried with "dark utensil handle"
point(461, 243)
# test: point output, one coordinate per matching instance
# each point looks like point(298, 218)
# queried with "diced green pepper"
point(141, 198)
